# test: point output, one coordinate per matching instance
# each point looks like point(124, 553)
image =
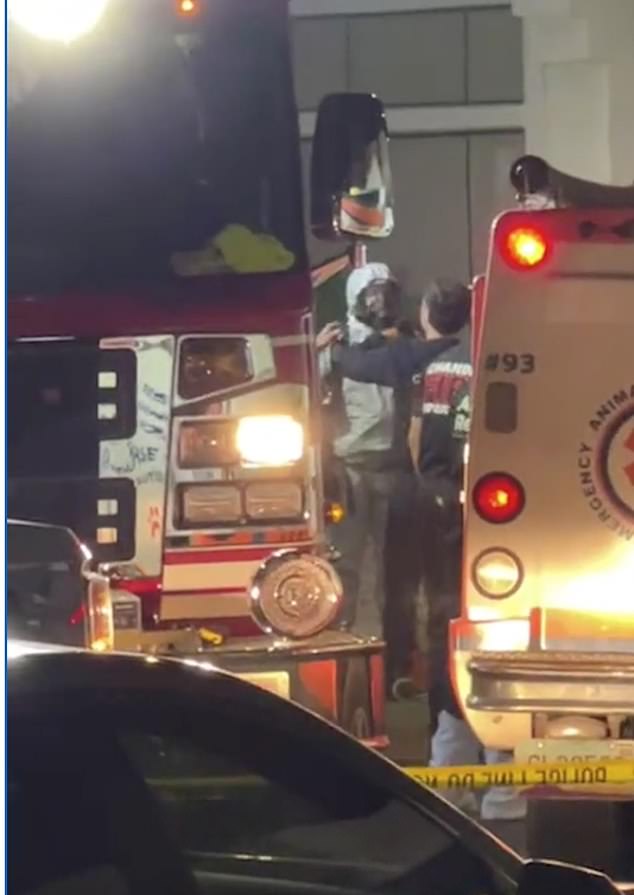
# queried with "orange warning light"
point(188, 8)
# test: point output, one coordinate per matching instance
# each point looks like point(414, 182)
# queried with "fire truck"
point(542, 655)
point(162, 381)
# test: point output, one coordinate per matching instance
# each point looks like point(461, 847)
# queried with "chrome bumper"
point(271, 649)
point(552, 682)
point(187, 643)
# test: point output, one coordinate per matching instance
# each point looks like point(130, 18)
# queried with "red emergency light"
point(525, 248)
point(498, 498)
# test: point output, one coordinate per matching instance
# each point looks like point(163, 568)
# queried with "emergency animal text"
point(590, 457)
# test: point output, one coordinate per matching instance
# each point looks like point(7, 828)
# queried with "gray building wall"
point(442, 74)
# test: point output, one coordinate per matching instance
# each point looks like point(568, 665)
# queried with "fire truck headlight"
point(295, 595)
point(206, 505)
point(274, 500)
point(497, 574)
point(270, 440)
point(57, 20)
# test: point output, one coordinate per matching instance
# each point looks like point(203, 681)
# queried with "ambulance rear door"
point(478, 294)
point(550, 506)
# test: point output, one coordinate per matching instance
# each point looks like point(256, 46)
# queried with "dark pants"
point(363, 528)
point(440, 514)
point(402, 577)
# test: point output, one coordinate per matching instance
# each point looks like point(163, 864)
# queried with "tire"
point(356, 711)
point(593, 833)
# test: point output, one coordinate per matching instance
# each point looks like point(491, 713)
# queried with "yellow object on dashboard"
point(237, 249)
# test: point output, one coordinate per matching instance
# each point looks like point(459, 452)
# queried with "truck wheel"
point(356, 713)
point(592, 833)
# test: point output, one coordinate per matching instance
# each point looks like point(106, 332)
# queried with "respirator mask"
point(378, 305)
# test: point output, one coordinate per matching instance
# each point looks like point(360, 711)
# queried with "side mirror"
point(553, 878)
point(351, 180)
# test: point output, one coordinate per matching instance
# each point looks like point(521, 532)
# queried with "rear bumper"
point(540, 681)
point(555, 662)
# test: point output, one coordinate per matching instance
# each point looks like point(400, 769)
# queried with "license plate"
point(579, 753)
point(277, 682)
point(126, 616)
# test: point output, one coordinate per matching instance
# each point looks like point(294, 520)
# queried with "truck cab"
point(163, 393)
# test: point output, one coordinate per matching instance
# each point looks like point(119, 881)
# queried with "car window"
point(220, 805)
point(74, 816)
point(234, 796)
point(45, 587)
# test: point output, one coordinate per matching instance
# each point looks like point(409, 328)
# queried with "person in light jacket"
point(367, 439)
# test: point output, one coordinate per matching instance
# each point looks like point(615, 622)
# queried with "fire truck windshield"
point(153, 147)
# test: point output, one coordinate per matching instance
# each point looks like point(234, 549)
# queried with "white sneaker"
point(502, 803)
point(510, 807)
point(462, 799)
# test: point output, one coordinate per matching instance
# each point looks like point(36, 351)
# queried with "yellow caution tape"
point(525, 776)
point(576, 774)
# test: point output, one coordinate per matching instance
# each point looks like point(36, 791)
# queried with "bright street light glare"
point(57, 20)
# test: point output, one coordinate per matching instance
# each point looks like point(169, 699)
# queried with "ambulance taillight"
point(525, 248)
point(498, 498)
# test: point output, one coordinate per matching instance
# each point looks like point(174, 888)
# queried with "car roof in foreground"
point(110, 669)
point(35, 668)
point(25, 523)
point(17, 649)
point(49, 669)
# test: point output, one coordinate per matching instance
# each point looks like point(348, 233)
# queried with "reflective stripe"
point(289, 341)
point(202, 576)
point(204, 605)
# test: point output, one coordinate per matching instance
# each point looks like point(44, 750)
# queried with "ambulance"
point(542, 657)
